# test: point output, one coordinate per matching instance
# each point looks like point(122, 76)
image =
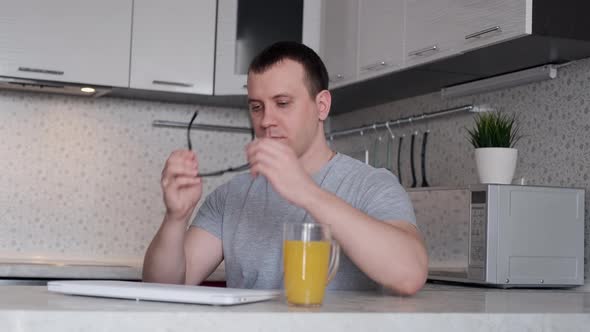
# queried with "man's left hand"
point(281, 167)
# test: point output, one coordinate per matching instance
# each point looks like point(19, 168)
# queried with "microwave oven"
point(503, 235)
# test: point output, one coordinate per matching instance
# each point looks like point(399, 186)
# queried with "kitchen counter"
point(15, 270)
point(436, 307)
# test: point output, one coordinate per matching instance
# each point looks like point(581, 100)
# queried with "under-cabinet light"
point(526, 76)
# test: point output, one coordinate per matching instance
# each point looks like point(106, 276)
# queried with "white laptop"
point(161, 292)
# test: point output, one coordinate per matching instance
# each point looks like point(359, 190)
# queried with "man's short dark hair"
point(316, 75)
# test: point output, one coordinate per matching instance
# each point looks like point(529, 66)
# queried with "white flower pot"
point(496, 165)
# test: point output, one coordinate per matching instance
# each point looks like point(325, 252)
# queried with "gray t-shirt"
point(247, 215)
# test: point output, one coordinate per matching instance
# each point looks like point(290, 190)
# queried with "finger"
point(264, 166)
point(186, 181)
point(191, 164)
point(181, 182)
point(177, 155)
point(183, 169)
point(180, 155)
point(264, 147)
point(187, 158)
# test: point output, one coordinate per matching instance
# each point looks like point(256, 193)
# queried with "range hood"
point(21, 84)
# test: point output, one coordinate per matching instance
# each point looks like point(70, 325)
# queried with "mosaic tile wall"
point(554, 116)
point(80, 177)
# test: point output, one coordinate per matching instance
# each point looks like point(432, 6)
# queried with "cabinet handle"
point(375, 66)
point(420, 52)
point(337, 78)
point(184, 85)
point(41, 71)
point(483, 32)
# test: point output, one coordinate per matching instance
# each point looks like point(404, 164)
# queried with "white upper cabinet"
point(339, 45)
point(381, 36)
point(246, 27)
point(173, 45)
point(65, 40)
point(485, 22)
point(437, 29)
point(432, 30)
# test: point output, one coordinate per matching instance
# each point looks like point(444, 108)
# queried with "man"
point(294, 176)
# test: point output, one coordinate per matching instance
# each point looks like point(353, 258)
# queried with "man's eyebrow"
point(282, 95)
point(277, 96)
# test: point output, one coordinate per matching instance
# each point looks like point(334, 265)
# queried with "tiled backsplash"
point(80, 177)
point(554, 116)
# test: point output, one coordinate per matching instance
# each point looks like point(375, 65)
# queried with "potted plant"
point(494, 136)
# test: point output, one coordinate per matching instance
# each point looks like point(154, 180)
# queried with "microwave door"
point(443, 216)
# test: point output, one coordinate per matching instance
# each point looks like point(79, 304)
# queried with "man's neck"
point(316, 157)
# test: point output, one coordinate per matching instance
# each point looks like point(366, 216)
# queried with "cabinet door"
point(245, 27)
point(65, 40)
point(338, 46)
point(432, 30)
point(381, 36)
point(486, 22)
point(173, 45)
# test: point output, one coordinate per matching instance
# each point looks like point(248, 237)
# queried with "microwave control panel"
point(477, 229)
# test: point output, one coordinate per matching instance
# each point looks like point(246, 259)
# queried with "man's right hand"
point(181, 187)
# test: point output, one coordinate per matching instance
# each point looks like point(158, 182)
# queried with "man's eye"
point(255, 108)
point(283, 103)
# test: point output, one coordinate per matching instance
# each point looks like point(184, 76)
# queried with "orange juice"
point(306, 271)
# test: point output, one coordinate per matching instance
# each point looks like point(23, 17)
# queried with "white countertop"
point(435, 308)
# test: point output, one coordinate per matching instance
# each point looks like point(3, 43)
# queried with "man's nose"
point(268, 118)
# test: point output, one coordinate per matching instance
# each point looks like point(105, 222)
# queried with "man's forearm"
point(393, 255)
point(165, 260)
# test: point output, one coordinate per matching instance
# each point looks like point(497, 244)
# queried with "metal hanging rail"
point(336, 133)
point(410, 119)
point(176, 124)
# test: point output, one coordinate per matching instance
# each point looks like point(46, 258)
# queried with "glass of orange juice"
point(310, 261)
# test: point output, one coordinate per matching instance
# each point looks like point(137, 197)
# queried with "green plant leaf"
point(494, 129)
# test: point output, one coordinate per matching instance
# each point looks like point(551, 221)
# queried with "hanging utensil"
point(413, 185)
point(376, 144)
point(399, 159)
point(423, 159)
point(390, 139)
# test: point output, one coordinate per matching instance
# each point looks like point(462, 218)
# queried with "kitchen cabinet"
point(432, 31)
point(244, 28)
point(339, 45)
point(173, 46)
point(381, 36)
point(449, 27)
point(66, 40)
point(485, 22)
point(450, 42)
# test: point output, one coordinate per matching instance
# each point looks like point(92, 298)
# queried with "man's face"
point(281, 107)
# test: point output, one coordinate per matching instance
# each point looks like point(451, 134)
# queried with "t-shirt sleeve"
point(383, 197)
point(210, 215)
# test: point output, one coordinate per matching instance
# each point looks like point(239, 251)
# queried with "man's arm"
point(180, 256)
point(176, 255)
point(391, 252)
point(203, 252)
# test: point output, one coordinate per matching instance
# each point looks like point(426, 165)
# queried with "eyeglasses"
point(216, 173)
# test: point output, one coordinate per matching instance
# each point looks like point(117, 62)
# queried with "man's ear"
point(323, 100)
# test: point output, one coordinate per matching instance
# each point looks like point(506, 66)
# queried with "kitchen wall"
point(79, 177)
point(554, 116)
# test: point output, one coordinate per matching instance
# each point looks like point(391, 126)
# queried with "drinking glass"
point(310, 262)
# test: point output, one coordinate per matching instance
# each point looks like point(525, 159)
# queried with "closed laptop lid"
point(161, 292)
